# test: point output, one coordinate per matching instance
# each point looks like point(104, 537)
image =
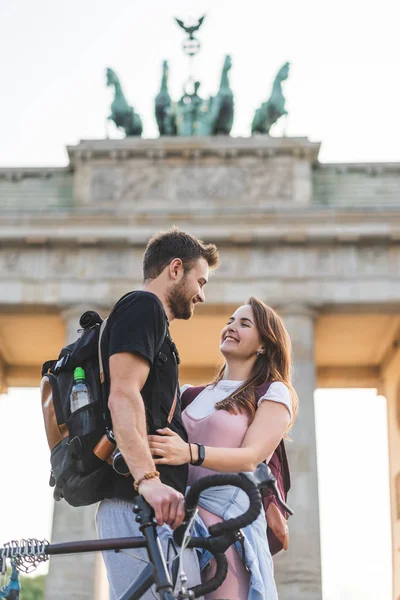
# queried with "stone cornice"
point(19, 173)
point(373, 169)
point(194, 148)
point(303, 226)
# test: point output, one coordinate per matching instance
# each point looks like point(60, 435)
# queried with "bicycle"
point(26, 555)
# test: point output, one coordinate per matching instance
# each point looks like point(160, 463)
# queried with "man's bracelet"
point(202, 455)
point(149, 475)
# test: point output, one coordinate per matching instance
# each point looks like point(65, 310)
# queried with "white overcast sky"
point(343, 87)
point(343, 90)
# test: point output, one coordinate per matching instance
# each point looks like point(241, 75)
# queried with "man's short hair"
point(165, 246)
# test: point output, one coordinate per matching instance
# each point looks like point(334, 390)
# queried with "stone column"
point(74, 576)
point(390, 387)
point(3, 381)
point(298, 571)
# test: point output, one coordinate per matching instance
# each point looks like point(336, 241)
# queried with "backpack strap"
point(155, 405)
point(263, 389)
point(101, 365)
point(190, 394)
point(102, 328)
point(160, 360)
point(285, 466)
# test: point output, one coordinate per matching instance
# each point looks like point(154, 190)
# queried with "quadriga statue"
point(163, 105)
point(193, 115)
point(272, 110)
point(122, 113)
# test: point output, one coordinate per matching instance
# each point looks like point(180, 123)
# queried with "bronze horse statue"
point(122, 114)
point(165, 124)
point(224, 122)
point(270, 111)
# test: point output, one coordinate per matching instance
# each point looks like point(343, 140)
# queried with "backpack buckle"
point(161, 359)
point(60, 364)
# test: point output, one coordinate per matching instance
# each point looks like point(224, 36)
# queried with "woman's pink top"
point(220, 429)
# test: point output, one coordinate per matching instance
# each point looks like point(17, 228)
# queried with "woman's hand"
point(169, 448)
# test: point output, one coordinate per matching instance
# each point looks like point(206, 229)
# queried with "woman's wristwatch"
point(201, 455)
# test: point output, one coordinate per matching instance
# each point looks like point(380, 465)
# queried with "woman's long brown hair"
point(274, 365)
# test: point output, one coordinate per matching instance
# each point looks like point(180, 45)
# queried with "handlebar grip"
point(243, 520)
point(214, 583)
point(236, 480)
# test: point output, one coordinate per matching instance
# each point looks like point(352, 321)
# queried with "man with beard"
point(144, 394)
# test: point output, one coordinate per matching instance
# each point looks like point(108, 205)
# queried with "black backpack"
point(80, 467)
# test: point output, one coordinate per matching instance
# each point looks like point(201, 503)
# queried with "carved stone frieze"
point(86, 264)
point(281, 261)
point(198, 186)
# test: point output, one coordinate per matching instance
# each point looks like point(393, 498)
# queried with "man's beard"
point(181, 306)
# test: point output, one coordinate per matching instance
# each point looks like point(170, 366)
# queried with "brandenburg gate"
point(319, 242)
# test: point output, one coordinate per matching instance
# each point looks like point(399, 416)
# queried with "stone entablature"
point(30, 190)
point(196, 176)
point(310, 224)
point(315, 274)
point(357, 184)
point(192, 148)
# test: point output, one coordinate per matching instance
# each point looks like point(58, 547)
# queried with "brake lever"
point(144, 512)
point(262, 477)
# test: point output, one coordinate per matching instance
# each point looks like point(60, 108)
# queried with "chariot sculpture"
point(192, 115)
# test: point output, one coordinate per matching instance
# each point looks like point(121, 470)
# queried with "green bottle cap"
point(79, 373)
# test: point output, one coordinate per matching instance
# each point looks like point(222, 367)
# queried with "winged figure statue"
point(190, 30)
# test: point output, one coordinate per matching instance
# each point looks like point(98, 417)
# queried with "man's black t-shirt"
point(139, 324)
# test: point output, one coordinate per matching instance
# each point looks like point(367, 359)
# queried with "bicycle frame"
point(222, 535)
point(156, 572)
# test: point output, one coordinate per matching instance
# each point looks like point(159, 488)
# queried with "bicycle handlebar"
point(222, 535)
point(248, 482)
point(234, 479)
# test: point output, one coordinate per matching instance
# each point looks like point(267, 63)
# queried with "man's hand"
point(166, 502)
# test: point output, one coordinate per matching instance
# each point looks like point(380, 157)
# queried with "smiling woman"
point(233, 428)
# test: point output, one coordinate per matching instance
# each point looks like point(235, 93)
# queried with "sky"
point(343, 90)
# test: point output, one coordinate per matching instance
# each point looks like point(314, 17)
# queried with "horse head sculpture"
point(272, 110)
point(122, 114)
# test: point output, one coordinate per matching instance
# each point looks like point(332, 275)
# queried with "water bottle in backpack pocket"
point(73, 404)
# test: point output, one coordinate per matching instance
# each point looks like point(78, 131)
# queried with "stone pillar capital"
point(71, 314)
point(299, 309)
point(74, 311)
